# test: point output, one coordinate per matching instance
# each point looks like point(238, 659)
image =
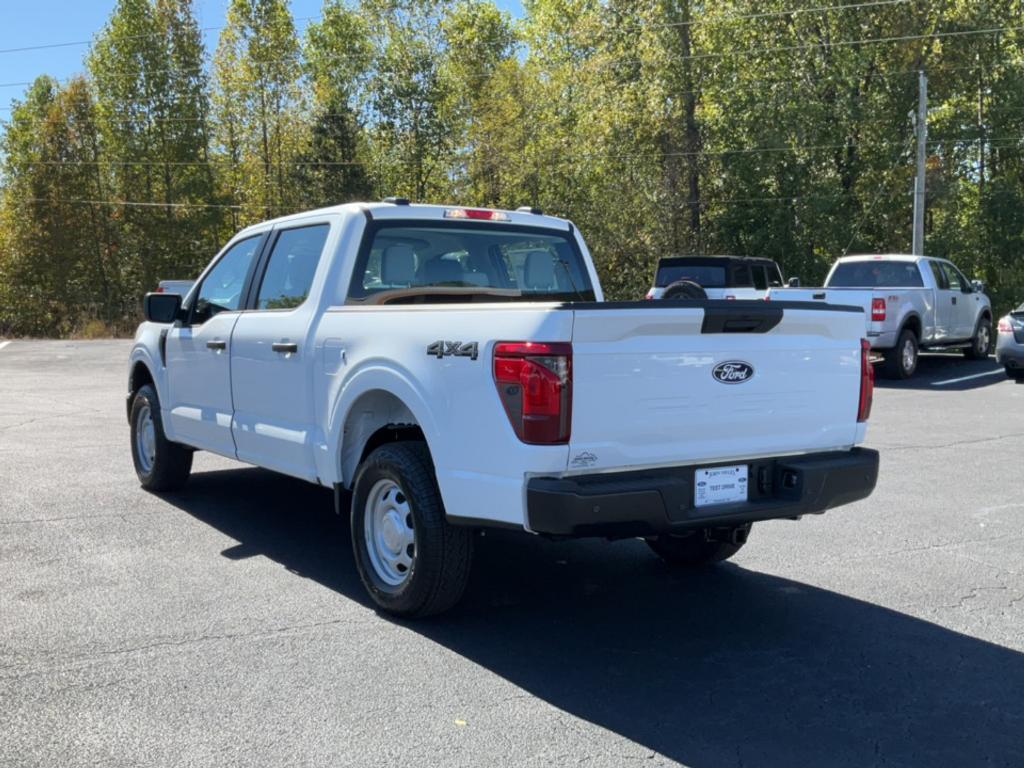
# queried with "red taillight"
point(534, 381)
point(1005, 326)
point(159, 289)
point(867, 381)
point(877, 310)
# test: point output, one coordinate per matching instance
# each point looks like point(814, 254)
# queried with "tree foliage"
point(773, 128)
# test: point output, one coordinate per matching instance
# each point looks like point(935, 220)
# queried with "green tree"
point(338, 54)
point(59, 256)
point(152, 109)
point(260, 109)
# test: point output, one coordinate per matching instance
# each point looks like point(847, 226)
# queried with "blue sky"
point(44, 22)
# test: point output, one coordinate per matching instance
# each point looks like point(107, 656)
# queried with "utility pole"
point(922, 158)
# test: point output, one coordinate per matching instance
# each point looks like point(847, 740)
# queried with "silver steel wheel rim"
point(983, 340)
point(908, 355)
point(145, 439)
point(389, 533)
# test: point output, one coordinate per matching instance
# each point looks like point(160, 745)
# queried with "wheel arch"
point(380, 407)
point(913, 323)
point(139, 375)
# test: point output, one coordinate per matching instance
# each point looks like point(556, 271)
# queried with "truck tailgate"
point(662, 384)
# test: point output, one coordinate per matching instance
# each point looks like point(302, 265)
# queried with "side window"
point(740, 276)
point(293, 262)
point(221, 290)
point(774, 276)
point(940, 278)
point(759, 279)
point(953, 277)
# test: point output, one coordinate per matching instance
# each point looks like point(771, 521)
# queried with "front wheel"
point(411, 561)
point(901, 360)
point(1017, 374)
point(700, 548)
point(981, 343)
point(160, 464)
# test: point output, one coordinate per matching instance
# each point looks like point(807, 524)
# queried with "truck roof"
point(388, 210)
point(881, 257)
point(669, 261)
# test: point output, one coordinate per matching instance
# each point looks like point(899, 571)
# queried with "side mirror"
point(793, 282)
point(978, 286)
point(162, 307)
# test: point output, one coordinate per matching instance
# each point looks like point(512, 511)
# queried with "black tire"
point(896, 365)
point(1017, 374)
point(443, 553)
point(169, 468)
point(981, 342)
point(700, 548)
point(684, 289)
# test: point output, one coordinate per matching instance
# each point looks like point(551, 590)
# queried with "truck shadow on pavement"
point(721, 667)
point(947, 372)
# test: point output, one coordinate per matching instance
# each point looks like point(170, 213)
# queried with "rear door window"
point(292, 265)
point(741, 276)
point(939, 275)
point(760, 281)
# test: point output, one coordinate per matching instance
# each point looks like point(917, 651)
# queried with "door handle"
point(953, 298)
point(285, 347)
point(218, 345)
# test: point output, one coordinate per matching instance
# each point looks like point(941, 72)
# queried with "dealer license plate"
point(720, 485)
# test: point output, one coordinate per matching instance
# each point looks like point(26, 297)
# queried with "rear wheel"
point(981, 343)
point(160, 464)
point(684, 289)
point(411, 561)
point(901, 360)
point(702, 547)
point(1017, 374)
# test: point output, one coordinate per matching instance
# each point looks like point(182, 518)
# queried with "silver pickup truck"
point(910, 303)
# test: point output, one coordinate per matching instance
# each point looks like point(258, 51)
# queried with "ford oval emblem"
point(733, 372)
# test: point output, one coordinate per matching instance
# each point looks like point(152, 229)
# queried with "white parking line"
point(966, 378)
point(4, 344)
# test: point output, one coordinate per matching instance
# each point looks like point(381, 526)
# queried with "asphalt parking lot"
point(225, 625)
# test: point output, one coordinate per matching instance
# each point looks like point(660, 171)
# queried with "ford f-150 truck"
point(447, 369)
point(910, 303)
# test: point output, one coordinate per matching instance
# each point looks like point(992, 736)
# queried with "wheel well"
point(140, 376)
point(376, 418)
point(913, 323)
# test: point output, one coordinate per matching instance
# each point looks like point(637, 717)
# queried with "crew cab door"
point(964, 303)
point(272, 354)
point(945, 308)
point(197, 407)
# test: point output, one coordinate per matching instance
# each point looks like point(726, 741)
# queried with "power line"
point(147, 204)
point(769, 14)
point(843, 43)
point(1000, 140)
point(72, 43)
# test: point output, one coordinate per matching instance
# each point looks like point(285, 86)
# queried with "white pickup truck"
point(910, 303)
point(450, 369)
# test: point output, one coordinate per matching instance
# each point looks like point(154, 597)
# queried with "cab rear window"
point(876, 274)
point(504, 261)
